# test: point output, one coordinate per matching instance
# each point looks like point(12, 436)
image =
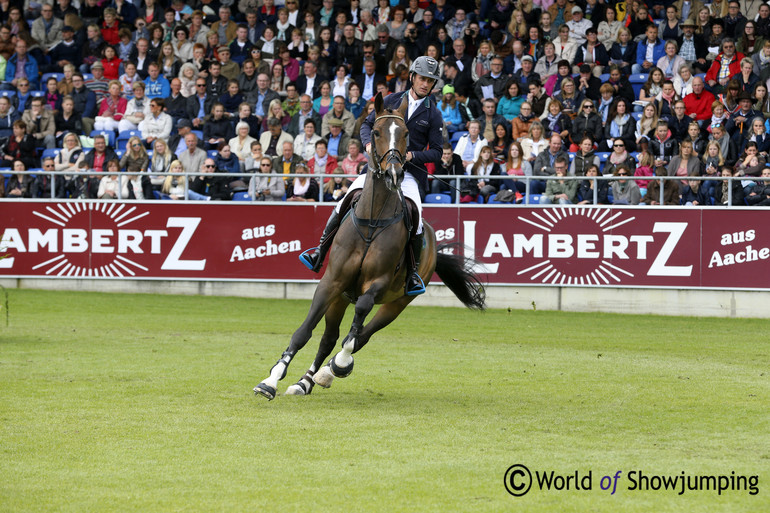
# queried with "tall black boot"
point(313, 258)
point(414, 284)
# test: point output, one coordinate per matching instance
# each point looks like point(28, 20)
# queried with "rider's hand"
point(409, 156)
point(368, 147)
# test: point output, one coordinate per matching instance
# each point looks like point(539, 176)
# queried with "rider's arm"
point(366, 129)
point(435, 140)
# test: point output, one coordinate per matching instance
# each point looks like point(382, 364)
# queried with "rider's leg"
point(313, 258)
point(414, 284)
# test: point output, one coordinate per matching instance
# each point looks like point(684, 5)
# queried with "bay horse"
point(367, 265)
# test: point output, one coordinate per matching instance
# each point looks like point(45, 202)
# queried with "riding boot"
point(414, 284)
point(313, 258)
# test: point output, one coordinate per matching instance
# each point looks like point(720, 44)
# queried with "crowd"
point(529, 88)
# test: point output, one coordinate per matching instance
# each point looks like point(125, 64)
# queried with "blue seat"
point(51, 153)
point(637, 115)
point(108, 134)
point(58, 76)
point(36, 94)
point(123, 138)
point(149, 153)
point(120, 153)
point(603, 156)
point(156, 195)
point(456, 137)
point(605, 77)
point(533, 199)
point(8, 94)
point(436, 198)
point(198, 133)
point(637, 81)
point(212, 154)
point(88, 76)
point(241, 196)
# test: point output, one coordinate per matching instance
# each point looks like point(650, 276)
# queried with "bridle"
point(393, 155)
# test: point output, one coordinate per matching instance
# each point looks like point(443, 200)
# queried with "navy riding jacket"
point(425, 134)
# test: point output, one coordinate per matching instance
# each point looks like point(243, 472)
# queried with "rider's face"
point(422, 85)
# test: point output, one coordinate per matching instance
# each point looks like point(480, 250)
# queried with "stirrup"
point(305, 258)
point(419, 288)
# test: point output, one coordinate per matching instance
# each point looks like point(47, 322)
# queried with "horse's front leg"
point(333, 318)
point(326, 291)
point(341, 365)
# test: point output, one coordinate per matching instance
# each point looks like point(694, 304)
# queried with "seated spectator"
point(555, 121)
point(112, 109)
point(739, 123)
point(665, 100)
point(586, 124)
point(515, 166)
point(273, 138)
point(609, 29)
point(353, 158)
point(726, 144)
point(590, 187)
point(650, 90)
point(266, 188)
point(173, 186)
point(156, 85)
point(509, 104)
point(670, 62)
point(584, 157)
point(98, 158)
point(758, 135)
point(93, 48)
point(469, 146)
point(302, 188)
point(698, 104)
point(275, 111)
point(556, 81)
point(685, 164)
point(645, 127)
point(692, 47)
point(111, 63)
point(450, 112)
point(157, 125)
point(648, 51)
point(137, 110)
point(337, 139)
point(535, 142)
point(232, 99)
point(22, 66)
point(759, 193)
point(562, 192)
point(19, 185)
point(193, 157)
point(644, 168)
point(726, 65)
point(695, 136)
point(216, 128)
point(481, 168)
point(694, 194)
point(620, 127)
point(663, 146)
point(450, 164)
point(8, 115)
point(729, 100)
point(619, 157)
point(70, 155)
point(212, 183)
point(683, 81)
point(569, 98)
point(750, 163)
point(625, 191)
point(623, 51)
point(160, 164)
point(51, 98)
point(729, 188)
point(592, 54)
point(304, 143)
point(501, 142)
point(40, 124)
point(227, 162)
point(241, 143)
point(254, 158)
point(135, 156)
point(322, 163)
point(113, 185)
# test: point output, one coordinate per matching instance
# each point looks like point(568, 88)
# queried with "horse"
point(367, 265)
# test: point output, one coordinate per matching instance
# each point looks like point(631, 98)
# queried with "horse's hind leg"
point(324, 293)
point(333, 318)
point(384, 316)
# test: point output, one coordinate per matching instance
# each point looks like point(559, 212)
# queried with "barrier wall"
point(680, 248)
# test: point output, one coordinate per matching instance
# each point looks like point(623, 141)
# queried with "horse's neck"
point(376, 200)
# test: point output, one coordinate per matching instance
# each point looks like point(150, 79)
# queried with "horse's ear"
point(404, 107)
point(378, 105)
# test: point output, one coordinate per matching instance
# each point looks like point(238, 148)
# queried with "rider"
point(424, 145)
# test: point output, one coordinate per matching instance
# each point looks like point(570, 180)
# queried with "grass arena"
point(115, 402)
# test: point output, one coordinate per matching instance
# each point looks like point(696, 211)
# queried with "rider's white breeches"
point(408, 186)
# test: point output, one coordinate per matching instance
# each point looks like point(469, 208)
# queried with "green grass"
point(114, 402)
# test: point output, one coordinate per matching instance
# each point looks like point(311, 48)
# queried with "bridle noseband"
point(393, 155)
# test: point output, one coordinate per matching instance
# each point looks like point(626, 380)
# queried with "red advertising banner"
point(569, 246)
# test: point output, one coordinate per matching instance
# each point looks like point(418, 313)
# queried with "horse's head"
point(389, 142)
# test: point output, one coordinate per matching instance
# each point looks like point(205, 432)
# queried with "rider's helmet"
point(425, 67)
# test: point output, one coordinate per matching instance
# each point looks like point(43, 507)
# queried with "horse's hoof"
point(339, 371)
point(323, 377)
point(295, 389)
point(265, 391)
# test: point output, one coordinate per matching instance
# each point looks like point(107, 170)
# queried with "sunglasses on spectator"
point(618, 145)
point(588, 107)
point(264, 165)
point(622, 174)
point(209, 165)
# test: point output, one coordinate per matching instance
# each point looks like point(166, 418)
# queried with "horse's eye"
point(376, 133)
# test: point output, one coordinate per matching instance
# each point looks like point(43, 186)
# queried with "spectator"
point(135, 156)
point(227, 162)
point(70, 155)
point(483, 168)
point(625, 191)
point(264, 96)
point(337, 140)
point(353, 158)
point(685, 164)
point(160, 164)
point(229, 69)
point(644, 168)
point(19, 146)
point(98, 84)
point(561, 191)
point(212, 183)
point(663, 146)
point(113, 185)
point(322, 163)
point(451, 164)
point(509, 104)
point(232, 99)
point(266, 188)
point(216, 128)
point(469, 146)
point(586, 124)
point(245, 116)
point(728, 148)
point(722, 193)
point(588, 85)
point(19, 185)
point(726, 65)
point(93, 48)
point(47, 30)
point(112, 109)
point(22, 66)
point(698, 104)
point(592, 54)
point(8, 115)
point(671, 61)
point(40, 124)
point(302, 188)
point(241, 143)
point(648, 51)
point(590, 187)
point(137, 109)
point(304, 143)
point(273, 138)
point(98, 158)
point(193, 157)
point(692, 46)
point(339, 112)
point(156, 85)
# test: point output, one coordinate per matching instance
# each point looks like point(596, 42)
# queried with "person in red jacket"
point(698, 104)
point(111, 63)
point(725, 66)
point(110, 26)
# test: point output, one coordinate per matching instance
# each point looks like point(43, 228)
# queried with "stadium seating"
point(123, 138)
point(241, 196)
point(8, 94)
point(637, 81)
point(108, 134)
point(438, 198)
point(58, 76)
point(51, 153)
point(198, 134)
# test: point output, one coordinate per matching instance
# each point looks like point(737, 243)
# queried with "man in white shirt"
point(578, 26)
point(469, 146)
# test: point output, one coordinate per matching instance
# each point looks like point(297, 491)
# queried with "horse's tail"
point(456, 271)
